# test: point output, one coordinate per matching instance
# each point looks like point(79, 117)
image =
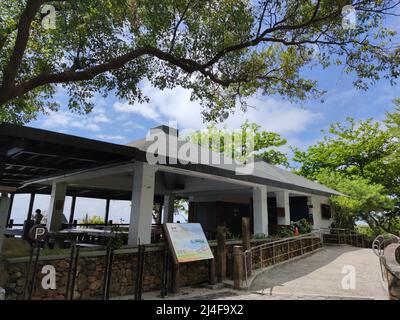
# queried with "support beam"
point(282, 202)
point(56, 209)
point(169, 208)
point(72, 212)
point(10, 208)
point(260, 210)
point(4, 208)
point(142, 204)
point(2, 162)
point(107, 214)
point(30, 208)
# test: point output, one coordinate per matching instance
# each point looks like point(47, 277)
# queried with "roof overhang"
point(29, 156)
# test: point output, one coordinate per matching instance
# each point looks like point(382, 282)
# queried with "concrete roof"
point(263, 173)
point(19, 140)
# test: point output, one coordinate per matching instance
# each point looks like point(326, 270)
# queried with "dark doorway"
point(272, 215)
point(231, 216)
point(298, 208)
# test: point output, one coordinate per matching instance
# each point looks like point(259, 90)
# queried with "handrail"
point(302, 236)
point(381, 241)
point(277, 257)
point(378, 246)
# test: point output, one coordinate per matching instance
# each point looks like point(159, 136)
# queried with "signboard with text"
point(189, 242)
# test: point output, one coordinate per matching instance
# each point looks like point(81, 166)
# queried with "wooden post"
point(246, 233)
point(221, 253)
point(246, 242)
point(211, 272)
point(175, 263)
point(237, 267)
point(175, 278)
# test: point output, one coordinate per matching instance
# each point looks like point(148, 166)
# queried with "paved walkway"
point(322, 274)
point(315, 277)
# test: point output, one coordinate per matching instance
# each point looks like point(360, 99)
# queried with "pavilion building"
point(37, 161)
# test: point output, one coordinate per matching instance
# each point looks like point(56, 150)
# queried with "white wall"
point(319, 222)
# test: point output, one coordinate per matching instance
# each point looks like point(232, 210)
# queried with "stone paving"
point(324, 274)
point(316, 277)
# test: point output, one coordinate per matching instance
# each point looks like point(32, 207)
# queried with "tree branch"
point(24, 26)
point(177, 26)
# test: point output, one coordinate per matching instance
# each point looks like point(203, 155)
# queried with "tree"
point(92, 219)
point(358, 148)
point(180, 206)
point(233, 143)
point(363, 200)
point(361, 160)
point(223, 51)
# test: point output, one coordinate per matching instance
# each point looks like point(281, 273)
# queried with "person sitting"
point(38, 216)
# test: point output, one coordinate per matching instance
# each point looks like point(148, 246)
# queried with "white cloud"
point(64, 119)
point(131, 126)
point(175, 105)
point(275, 115)
point(144, 110)
point(110, 137)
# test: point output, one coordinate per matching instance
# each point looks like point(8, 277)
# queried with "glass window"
point(20, 207)
point(90, 208)
point(120, 211)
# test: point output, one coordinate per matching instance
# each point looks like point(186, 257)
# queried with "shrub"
point(285, 232)
point(92, 220)
point(259, 236)
point(303, 225)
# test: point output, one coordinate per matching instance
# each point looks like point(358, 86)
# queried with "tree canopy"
point(222, 51)
point(233, 143)
point(361, 160)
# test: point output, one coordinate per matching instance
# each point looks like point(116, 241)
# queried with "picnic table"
point(84, 236)
point(14, 232)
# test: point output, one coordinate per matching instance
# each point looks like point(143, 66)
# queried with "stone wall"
point(91, 267)
point(392, 269)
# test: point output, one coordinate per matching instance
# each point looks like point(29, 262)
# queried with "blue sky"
point(117, 121)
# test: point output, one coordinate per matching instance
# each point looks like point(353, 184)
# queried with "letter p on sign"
point(38, 233)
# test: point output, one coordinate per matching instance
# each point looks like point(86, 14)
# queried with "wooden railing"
point(274, 252)
point(340, 236)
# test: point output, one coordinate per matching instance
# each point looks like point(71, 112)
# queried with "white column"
point(169, 208)
point(260, 210)
point(142, 204)
point(314, 211)
point(282, 201)
point(4, 206)
point(56, 209)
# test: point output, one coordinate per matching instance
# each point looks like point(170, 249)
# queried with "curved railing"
point(385, 247)
point(274, 252)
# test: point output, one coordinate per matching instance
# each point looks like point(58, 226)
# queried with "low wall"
point(283, 251)
point(91, 267)
point(392, 268)
point(354, 239)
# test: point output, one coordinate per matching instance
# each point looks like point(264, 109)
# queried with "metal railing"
point(378, 247)
point(274, 252)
